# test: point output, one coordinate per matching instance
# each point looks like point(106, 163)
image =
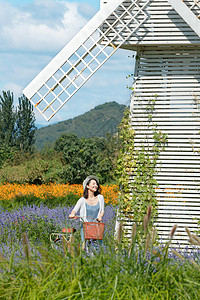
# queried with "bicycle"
point(93, 232)
point(63, 237)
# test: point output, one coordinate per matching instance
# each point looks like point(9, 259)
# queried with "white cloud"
point(27, 30)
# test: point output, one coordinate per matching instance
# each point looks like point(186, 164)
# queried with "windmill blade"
point(189, 11)
point(85, 54)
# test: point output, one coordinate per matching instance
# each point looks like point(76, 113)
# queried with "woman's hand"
point(72, 215)
point(99, 219)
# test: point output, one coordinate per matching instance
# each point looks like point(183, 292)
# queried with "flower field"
point(39, 223)
point(31, 269)
point(10, 191)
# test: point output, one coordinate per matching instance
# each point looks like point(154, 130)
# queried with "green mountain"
point(96, 122)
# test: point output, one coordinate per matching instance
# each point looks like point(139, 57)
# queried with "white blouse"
point(80, 205)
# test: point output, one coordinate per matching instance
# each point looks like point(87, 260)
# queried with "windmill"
point(166, 36)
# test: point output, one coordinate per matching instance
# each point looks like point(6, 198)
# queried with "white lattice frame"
point(188, 12)
point(192, 7)
point(98, 36)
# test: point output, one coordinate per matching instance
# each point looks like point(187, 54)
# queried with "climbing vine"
point(125, 161)
point(137, 167)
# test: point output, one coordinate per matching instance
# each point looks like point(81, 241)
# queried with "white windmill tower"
point(166, 36)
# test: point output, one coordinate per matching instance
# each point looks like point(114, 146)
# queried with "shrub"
point(34, 171)
point(50, 201)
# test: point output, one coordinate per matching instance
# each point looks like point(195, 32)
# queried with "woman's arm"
point(101, 213)
point(76, 208)
point(100, 216)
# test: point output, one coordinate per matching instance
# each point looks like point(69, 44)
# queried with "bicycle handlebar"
point(75, 217)
point(79, 217)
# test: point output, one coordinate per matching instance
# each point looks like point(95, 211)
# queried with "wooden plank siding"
point(168, 69)
point(171, 76)
point(163, 25)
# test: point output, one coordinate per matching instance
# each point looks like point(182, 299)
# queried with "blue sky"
point(34, 31)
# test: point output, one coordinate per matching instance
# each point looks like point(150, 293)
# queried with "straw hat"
point(87, 179)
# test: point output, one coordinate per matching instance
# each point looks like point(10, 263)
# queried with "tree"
point(7, 119)
point(82, 157)
point(66, 140)
point(7, 126)
point(25, 125)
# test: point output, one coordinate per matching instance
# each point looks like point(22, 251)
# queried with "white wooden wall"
point(163, 25)
point(172, 76)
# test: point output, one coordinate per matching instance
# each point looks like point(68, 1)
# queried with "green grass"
point(140, 270)
point(106, 275)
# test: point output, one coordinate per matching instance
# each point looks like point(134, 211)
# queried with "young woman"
point(91, 205)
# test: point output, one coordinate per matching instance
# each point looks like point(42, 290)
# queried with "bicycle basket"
point(93, 230)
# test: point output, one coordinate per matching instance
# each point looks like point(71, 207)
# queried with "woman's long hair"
point(85, 192)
